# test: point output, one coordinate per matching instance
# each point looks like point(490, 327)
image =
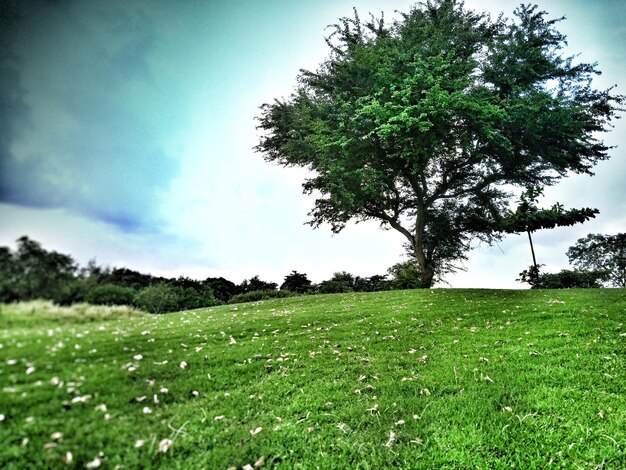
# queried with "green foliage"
point(425, 124)
point(159, 298)
point(255, 296)
point(569, 279)
point(600, 252)
point(405, 275)
point(72, 292)
point(527, 217)
point(32, 272)
point(110, 294)
point(297, 283)
point(255, 284)
point(333, 287)
point(125, 277)
point(374, 283)
point(565, 279)
point(462, 378)
point(222, 289)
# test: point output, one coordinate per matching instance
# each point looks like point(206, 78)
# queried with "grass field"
point(412, 379)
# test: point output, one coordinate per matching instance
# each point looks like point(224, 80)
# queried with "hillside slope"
point(415, 379)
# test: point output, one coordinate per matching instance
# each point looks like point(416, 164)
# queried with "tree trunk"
point(425, 267)
point(427, 278)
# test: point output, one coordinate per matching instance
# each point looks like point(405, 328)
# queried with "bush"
point(110, 294)
point(566, 279)
point(73, 292)
point(405, 275)
point(257, 295)
point(333, 287)
point(163, 298)
point(159, 298)
point(190, 298)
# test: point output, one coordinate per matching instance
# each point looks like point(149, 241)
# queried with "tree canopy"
point(601, 252)
point(429, 123)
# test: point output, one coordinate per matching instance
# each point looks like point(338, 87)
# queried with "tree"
point(297, 283)
point(255, 284)
point(598, 252)
point(425, 124)
point(529, 218)
point(32, 272)
point(222, 288)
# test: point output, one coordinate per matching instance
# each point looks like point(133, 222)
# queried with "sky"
point(127, 131)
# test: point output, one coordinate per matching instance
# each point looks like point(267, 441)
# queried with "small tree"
point(297, 283)
point(158, 298)
point(529, 218)
point(598, 252)
point(405, 275)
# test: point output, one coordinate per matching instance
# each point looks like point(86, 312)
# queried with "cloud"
point(92, 113)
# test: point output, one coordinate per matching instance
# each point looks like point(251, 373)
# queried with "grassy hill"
point(414, 379)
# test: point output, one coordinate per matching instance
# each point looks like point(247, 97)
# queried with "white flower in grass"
point(56, 436)
point(1, 417)
point(165, 444)
point(95, 463)
point(164, 390)
point(219, 418)
point(30, 370)
point(183, 365)
point(400, 422)
point(391, 440)
point(139, 443)
point(254, 432)
point(101, 407)
point(155, 399)
point(81, 399)
point(11, 362)
point(137, 357)
point(147, 410)
point(232, 341)
point(68, 458)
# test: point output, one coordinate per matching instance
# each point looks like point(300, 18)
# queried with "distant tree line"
point(32, 272)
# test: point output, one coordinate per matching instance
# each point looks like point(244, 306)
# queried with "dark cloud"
point(82, 115)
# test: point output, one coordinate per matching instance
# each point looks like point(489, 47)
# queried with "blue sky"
point(127, 128)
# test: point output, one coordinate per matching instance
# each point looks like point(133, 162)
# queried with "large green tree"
point(427, 124)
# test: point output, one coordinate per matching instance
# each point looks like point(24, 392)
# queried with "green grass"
point(412, 379)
